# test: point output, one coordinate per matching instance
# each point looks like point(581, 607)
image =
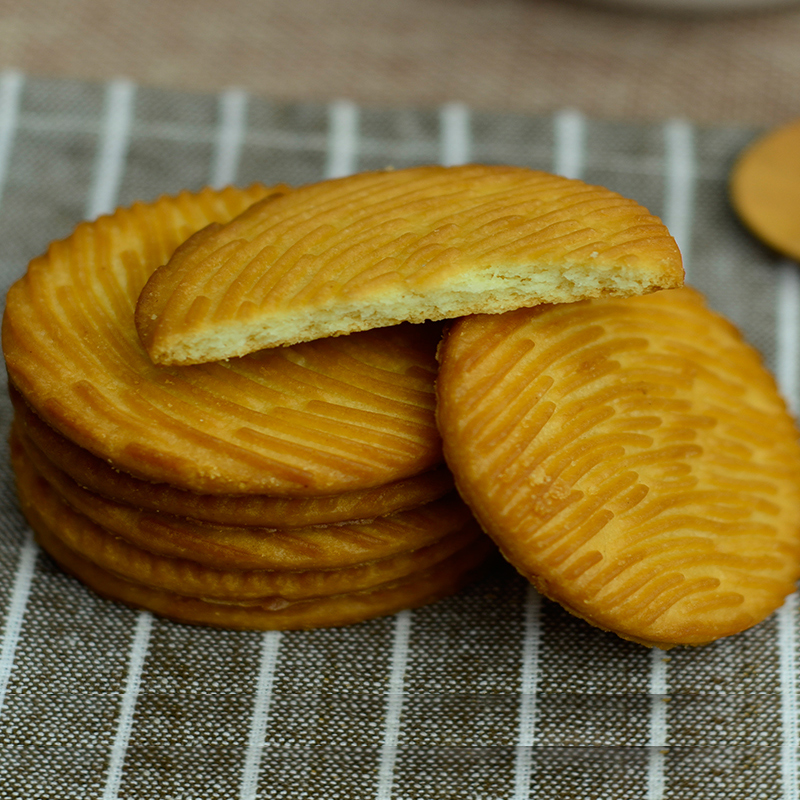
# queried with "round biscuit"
point(632, 458)
point(50, 449)
point(376, 248)
point(421, 588)
point(43, 507)
point(327, 417)
point(234, 547)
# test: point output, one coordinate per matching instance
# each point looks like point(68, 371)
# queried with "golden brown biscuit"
point(378, 248)
point(43, 507)
point(765, 188)
point(232, 547)
point(632, 458)
point(276, 613)
point(99, 477)
point(327, 417)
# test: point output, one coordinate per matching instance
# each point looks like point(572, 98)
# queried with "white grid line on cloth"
point(109, 169)
point(658, 724)
point(659, 685)
point(229, 138)
point(678, 203)
point(11, 84)
point(342, 139)
point(162, 131)
point(570, 133)
point(680, 173)
point(455, 144)
point(270, 647)
point(15, 613)
point(655, 763)
point(788, 330)
point(454, 133)
point(788, 333)
point(527, 711)
point(788, 666)
point(394, 704)
point(113, 151)
point(569, 140)
point(138, 653)
point(187, 133)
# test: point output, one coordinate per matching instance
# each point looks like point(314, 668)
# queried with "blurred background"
point(714, 61)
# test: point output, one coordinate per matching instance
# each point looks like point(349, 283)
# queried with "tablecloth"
point(492, 693)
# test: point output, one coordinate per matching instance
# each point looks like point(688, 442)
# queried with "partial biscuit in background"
point(374, 249)
point(323, 418)
point(632, 458)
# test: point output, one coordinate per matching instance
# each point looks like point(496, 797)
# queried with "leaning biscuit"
point(632, 458)
point(373, 249)
point(322, 418)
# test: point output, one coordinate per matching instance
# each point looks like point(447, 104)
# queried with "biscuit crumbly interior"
point(493, 293)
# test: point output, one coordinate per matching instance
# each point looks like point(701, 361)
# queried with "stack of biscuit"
point(293, 488)
point(225, 415)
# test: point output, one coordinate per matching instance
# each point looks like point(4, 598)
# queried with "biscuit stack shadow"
point(295, 488)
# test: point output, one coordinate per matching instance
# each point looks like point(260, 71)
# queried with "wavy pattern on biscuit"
point(41, 502)
point(322, 418)
point(233, 547)
point(277, 613)
point(373, 249)
point(632, 458)
point(49, 450)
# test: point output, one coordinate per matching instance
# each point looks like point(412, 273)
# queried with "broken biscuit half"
point(378, 248)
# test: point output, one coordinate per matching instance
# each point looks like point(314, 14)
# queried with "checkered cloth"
point(493, 693)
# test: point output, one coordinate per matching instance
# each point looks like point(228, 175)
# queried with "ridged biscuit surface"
point(632, 458)
point(42, 505)
point(235, 547)
point(49, 450)
point(276, 613)
point(322, 418)
point(374, 249)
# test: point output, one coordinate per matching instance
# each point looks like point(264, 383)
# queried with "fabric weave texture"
point(493, 693)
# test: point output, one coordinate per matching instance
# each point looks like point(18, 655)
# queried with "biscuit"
point(44, 508)
point(99, 477)
point(632, 458)
point(233, 547)
point(373, 249)
point(421, 588)
point(322, 418)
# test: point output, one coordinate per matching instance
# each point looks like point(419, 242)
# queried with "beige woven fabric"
point(493, 693)
point(523, 55)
